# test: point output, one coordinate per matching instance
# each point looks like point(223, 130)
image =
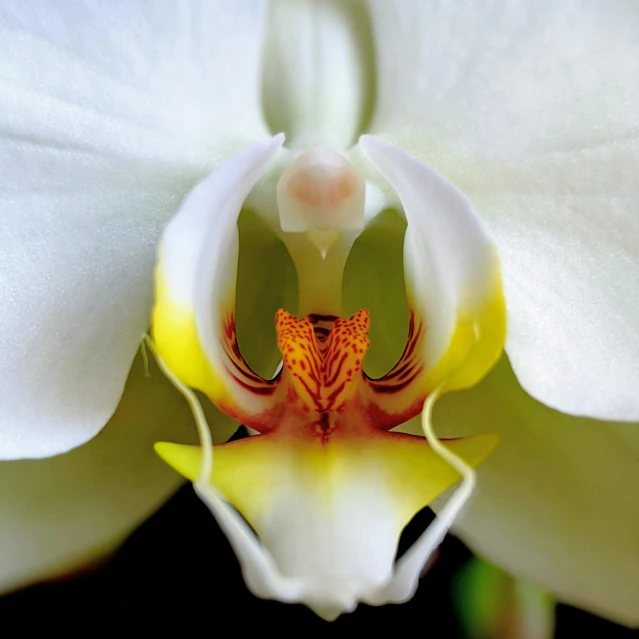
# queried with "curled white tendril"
point(409, 567)
point(203, 430)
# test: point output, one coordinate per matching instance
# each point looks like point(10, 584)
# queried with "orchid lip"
point(330, 473)
point(326, 484)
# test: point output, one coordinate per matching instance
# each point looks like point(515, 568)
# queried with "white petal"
point(61, 512)
point(571, 277)
point(451, 269)
point(555, 503)
point(507, 79)
point(175, 80)
point(109, 113)
point(76, 290)
point(194, 316)
point(530, 109)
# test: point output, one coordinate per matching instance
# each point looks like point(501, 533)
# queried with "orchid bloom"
point(346, 186)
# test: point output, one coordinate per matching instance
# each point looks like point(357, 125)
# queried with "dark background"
point(178, 568)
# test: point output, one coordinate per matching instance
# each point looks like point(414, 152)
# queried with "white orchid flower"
point(505, 129)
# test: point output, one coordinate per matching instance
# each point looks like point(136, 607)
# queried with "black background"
point(178, 568)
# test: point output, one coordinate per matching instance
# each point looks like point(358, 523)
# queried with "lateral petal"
point(458, 321)
point(194, 315)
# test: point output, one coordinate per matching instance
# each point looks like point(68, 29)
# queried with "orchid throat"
point(326, 485)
